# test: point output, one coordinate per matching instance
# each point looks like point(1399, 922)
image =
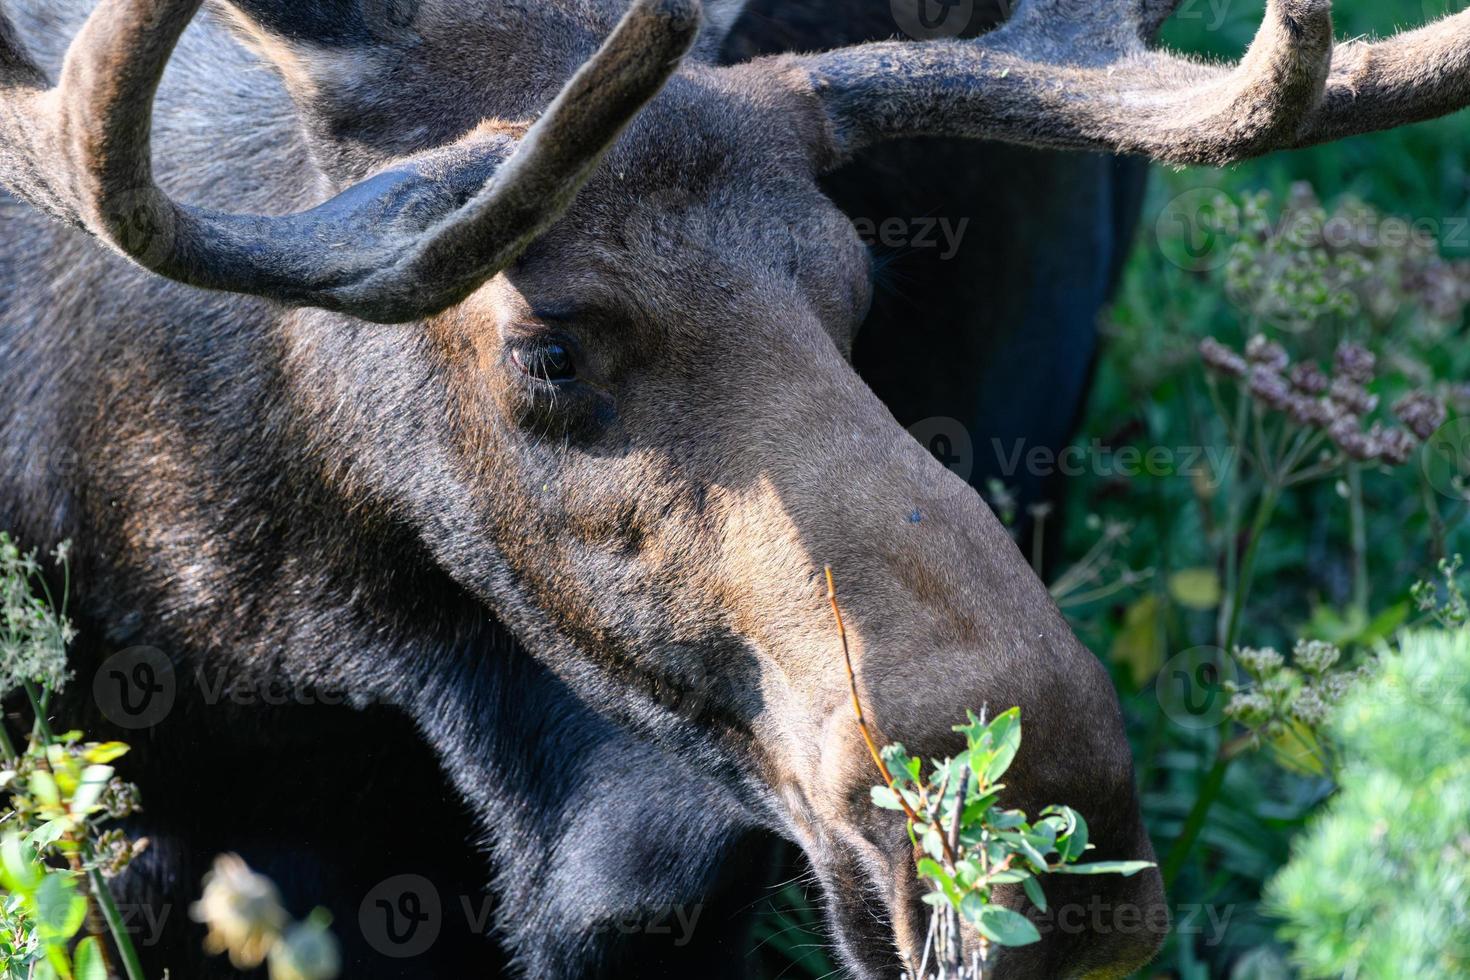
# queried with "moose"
point(489, 368)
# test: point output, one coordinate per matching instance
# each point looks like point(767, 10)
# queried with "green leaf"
point(935, 872)
point(901, 765)
point(19, 871)
point(886, 798)
point(1034, 892)
point(44, 787)
point(105, 752)
point(1139, 645)
point(967, 873)
point(89, 964)
point(1125, 868)
point(1008, 820)
point(89, 790)
point(49, 833)
point(1033, 854)
point(1298, 749)
point(60, 908)
point(1196, 588)
point(999, 924)
point(1074, 845)
point(1005, 734)
point(57, 962)
point(933, 844)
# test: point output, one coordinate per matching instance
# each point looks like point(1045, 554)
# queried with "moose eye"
point(548, 361)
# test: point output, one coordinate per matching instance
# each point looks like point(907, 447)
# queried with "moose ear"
point(351, 66)
point(374, 80)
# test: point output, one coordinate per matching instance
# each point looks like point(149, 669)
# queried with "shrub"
point(1379, 886)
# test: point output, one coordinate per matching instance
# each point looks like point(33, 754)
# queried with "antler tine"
point(1409, 78)
point(1078, 74)
point(400, 246)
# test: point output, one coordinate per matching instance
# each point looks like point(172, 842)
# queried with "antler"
point(399, 246)
point(1078, 74)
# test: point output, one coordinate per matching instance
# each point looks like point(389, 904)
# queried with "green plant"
point(965, 844)
point(1287, 705)
point(968, 844)
point(1378, 885)
point(55, 855)
point(1445, 602)
point(1337, 549)
point(1289, 424)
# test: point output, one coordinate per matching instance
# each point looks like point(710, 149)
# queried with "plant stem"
point(38, 705)
point(1265, 510)
point(1359, 523)
point(1215, 778)
point(1235, 505)
point(6, 745)
point(1194, 823)
point(1436, 519)
point(131, 964)
point(857, 707)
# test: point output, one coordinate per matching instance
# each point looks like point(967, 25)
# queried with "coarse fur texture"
point(595, 602)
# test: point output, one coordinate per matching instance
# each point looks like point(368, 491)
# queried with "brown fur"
point(660, 524)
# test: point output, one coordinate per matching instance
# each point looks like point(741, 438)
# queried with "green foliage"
point(33, 635)
point(56, 852)
point(55, 856)
point(1379, 885)
point(1446, 602)
point(1286, 706)
point(1239, 265)
point(968, 845)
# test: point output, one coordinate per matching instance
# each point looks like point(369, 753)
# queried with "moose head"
point(586, 342)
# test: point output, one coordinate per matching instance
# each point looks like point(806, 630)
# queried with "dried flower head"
point(1311, 412)
point(1270, 389)
point(1266, 353)
point(1397, 447)
point(1309, 707)
point(1221, 359)
point(114, 852)
point(1348, 435)
point(1353, 396)
point(1259, 662)
point(1356, 363)
point(1422, 413)
point(1249, 708)
point(1309, 379)
point(1316, 656)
